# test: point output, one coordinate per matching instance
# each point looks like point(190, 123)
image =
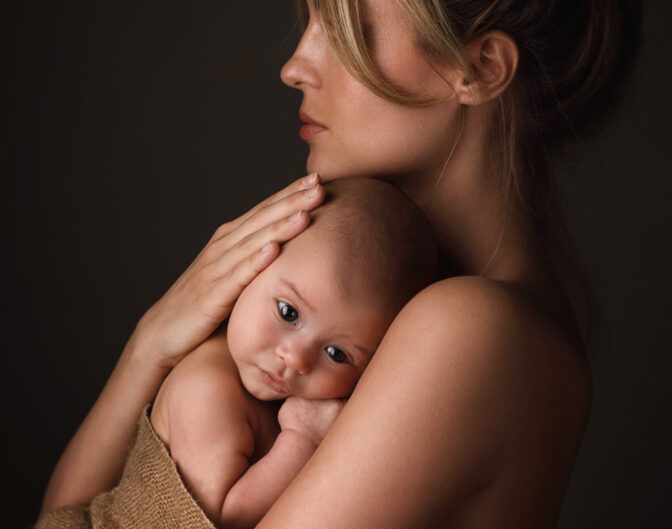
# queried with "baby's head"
point(310, 322)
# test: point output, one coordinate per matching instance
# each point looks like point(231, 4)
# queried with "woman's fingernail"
point(267, 247)
point(312, 191)
point(309, 181)
point(296, 216)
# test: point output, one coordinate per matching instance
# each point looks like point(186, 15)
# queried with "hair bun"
point(574, 60)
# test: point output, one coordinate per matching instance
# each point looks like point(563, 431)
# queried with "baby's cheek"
point(231, 330)
point(236, 334)
point(342, 386)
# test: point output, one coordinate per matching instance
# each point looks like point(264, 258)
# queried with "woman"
point(471, 413)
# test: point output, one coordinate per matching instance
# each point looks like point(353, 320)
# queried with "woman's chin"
point(312, 165)
point(327, 171)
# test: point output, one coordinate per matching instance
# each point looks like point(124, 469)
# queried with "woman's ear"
point(493, 57)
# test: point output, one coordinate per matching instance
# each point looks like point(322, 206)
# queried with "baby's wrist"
point(300, 439)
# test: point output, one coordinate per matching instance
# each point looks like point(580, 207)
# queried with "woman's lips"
point(275, 382)
point(311, 128)
point(309, 131)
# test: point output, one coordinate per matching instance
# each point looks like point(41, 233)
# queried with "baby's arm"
point(202, 415)
point(304, 423)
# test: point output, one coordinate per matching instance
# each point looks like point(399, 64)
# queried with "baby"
point(305, 328)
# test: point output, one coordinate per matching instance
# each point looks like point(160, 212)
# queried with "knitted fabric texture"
point(150, 494)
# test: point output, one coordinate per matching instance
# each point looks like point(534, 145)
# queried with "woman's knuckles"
point(245, 244)
point(223, 230)
point(212, 252)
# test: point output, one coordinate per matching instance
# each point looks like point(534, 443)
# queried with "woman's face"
point(363, 134)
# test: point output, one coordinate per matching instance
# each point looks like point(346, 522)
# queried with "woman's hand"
point(204, 294)
point(312, 418)
point(176, 324)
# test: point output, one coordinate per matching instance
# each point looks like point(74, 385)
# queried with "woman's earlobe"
point(493, 58)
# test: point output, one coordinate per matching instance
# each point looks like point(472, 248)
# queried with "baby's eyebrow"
point(365, 352)
point(292, 286)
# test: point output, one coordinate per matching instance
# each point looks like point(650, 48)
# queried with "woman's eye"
point(336, 354)
point(287, 312)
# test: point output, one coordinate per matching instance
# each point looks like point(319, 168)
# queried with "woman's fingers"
point(224, 272)
point(232, 284)
point(279, 231)
point(298, 185)
point(203, 296)
point(301, 184)
point(239, 265)
point(303, 200)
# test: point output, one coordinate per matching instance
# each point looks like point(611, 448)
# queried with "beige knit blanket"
point(150, 494)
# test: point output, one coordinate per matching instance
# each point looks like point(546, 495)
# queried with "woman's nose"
point(302, 69)
point(298, 357)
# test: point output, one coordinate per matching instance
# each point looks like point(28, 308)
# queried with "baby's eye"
point(336, 354)
point(287, 312)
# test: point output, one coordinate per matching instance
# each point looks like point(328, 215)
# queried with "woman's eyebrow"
point(292, 287)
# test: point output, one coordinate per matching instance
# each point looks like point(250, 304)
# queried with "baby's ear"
point(493, 58)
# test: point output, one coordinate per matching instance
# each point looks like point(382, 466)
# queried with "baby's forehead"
point(318, 258)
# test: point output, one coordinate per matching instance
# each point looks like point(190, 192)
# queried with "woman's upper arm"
point(428, 422)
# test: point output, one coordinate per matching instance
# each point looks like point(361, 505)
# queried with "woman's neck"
point(476, 227)
point(479, 231)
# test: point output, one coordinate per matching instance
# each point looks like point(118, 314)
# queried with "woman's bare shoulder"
point(505, 377)
point(509, 350)
point(486, 314)
point(460, 297)
point(468, 396)
point(524, 377)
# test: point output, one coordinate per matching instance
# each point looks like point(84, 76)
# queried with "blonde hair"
point(571, 59)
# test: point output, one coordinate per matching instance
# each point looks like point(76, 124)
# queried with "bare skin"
point(237, 252)
point(235, 453)
point(472, 409)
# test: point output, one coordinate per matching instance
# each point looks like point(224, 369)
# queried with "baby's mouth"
point(275, 382)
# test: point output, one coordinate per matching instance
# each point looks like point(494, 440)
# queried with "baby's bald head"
point(380, 240)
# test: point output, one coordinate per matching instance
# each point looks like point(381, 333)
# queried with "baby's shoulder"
point(203, 389)
point(207, 375)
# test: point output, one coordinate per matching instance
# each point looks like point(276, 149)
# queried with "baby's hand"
point(312, 418)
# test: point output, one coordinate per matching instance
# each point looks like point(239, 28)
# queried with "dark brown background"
point(133, 128)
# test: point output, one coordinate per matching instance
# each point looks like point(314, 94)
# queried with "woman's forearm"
point(175, 325)
point(94, 458)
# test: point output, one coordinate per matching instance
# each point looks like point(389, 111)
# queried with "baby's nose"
point(296, 357)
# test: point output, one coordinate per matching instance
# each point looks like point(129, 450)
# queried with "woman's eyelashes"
point(287, 312)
